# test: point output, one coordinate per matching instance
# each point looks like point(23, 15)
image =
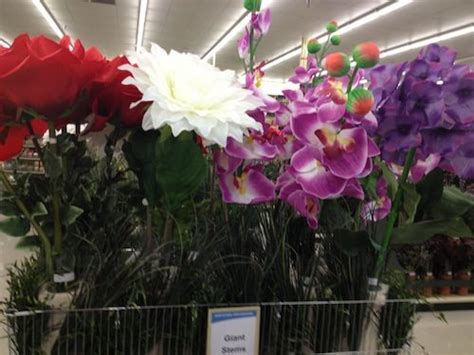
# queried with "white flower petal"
point(189, 94)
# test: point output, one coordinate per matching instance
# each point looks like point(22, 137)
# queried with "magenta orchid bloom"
point(344, 152)
point(252, 186)
point(305, 204)
point(313, 176)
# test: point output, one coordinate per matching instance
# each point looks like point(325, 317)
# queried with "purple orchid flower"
point(315, 179)
point(252, 147)
point(303, 75)
point(343, 151)
point(269, 104)
point(244, 45)
point(291, 192)
point(252, 186)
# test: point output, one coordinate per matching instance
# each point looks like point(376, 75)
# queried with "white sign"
point(233, 331)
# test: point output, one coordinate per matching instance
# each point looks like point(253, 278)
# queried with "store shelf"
point(450, 299)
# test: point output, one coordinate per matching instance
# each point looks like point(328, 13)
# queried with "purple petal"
point(353, 189)
point(251, 187)
point(331, 112)
point(423, 167)
point(347, 156)
point(251, 148)
point(304, 126)
point(306, 205)
point(224, 163)
point(313, 177)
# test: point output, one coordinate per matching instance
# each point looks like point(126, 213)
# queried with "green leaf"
point(453, 203)
point(351, 242)
point(28, 242)
point(39, 210)
point(422, 231)
point(333, 216)
point(52, 164)
point(72, 215)
point(15, 226)
point(411, 198)
point(139, 150)
point(389, 178)
point(8, 207)
point(180, 169)
point(430, 190)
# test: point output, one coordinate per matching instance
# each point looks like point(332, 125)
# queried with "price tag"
point(233, 331)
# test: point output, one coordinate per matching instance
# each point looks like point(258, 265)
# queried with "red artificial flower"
point(46, 76)
point(111, 99)
point(12, 133)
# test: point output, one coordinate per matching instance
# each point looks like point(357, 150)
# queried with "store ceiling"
point(195, 25)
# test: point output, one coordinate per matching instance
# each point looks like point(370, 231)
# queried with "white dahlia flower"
point(189, 94)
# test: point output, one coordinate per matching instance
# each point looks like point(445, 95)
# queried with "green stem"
point(351, 81)
point(323, 51)
point(251, 59)
point(38, 148)
point(56, 198)
point(168, 231)
point(39, 231)
point(393, 215)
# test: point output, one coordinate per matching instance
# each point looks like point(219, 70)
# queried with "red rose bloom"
point(46, 76)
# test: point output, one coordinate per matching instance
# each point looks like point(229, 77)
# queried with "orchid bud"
point(336, 40)
point(331, 26)
point(264, 20)
point(253, 5)
point(360, 102)
point(313, 46)
point(366, 54)
point(337, 64)
point(244, 45)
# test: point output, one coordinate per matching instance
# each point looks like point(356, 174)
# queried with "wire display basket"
point(285, 328)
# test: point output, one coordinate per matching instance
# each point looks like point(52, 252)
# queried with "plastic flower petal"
point(225, 164)
point(313, 176)
point(189, 94)
point(251, 148)
point(345, 152)
point(250, 187)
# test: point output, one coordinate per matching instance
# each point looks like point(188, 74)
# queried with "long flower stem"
point(393, 215)
point(38, 148)
point(252, 53)
point(56, 198)
point(39, 231)
point(351, 81)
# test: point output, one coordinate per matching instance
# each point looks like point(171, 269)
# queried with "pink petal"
point(331, 112)
point(224, 163)
point(347, 158)
point(251, 187)
point(251, 149)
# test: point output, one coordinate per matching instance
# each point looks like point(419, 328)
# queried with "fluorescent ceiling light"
point(4, 43)
point(344, 28)
point(48, 16)
point(457, 32)
point(231, 33)
point(142, 10)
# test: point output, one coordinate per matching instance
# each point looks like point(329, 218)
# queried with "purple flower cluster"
point(428, 104)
